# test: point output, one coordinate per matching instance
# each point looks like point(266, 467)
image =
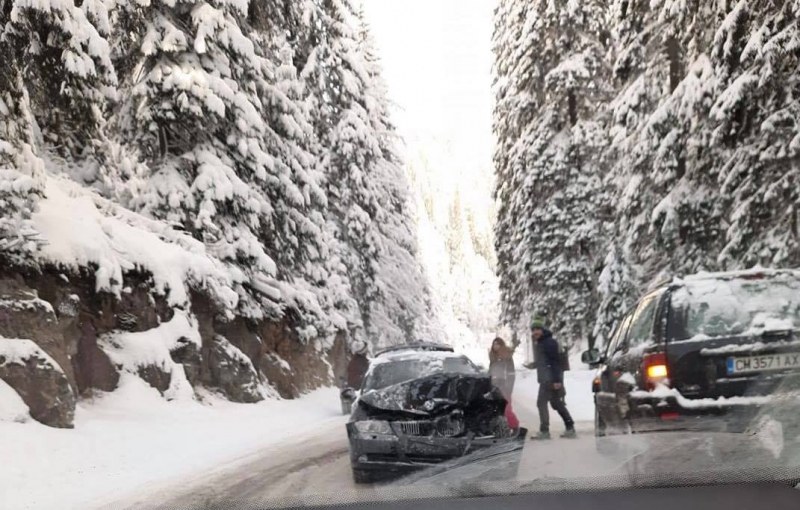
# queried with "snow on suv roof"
point(730, 275)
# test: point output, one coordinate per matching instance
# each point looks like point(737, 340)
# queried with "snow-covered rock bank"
point(110, 292)
point(39, 381)
point(60, 339)
point(131, 440)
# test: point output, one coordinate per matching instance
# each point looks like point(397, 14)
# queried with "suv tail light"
point(655, 370)
point(596, 384)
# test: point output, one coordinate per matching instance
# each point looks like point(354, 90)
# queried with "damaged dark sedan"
point(420, 407)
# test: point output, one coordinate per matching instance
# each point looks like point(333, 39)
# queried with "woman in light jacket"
point(501, 367)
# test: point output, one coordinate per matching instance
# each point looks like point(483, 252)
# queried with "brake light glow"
point(654, 368)
point(656, 371)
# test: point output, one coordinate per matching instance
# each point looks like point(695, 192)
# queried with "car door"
point(641, 338)
point(606, 399)
point(624, 364)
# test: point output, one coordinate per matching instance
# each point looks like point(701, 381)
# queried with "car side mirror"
point(592, 357)
point(349, 393)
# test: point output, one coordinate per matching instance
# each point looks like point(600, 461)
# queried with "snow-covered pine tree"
point(667, 218)
point(756, 134)
point(67, 71)
point(285, 20)
point(198, 122)
point(513, 107)
point(617, 290)
point(551, 189)
point(669, 214)
point(560, 234)
point(366, 188)
point(56, 78)
point(405, 299)
point(642, 79)
point(21, 170)
point(308, 255)
point(299, 240)
point(342, 126)
point(128, 26)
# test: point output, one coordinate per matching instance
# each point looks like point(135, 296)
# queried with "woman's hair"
point(504, 352)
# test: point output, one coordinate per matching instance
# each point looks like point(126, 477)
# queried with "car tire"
point(362, 476)
point(500, 427)
point(599, 424)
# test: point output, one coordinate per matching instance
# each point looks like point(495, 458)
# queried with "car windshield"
point(395, 372)
point(273, 253)
point(754, 305)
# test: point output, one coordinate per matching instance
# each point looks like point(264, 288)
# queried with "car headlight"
point(368, 427)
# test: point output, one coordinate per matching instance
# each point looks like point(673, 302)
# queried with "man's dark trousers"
point(556, 399)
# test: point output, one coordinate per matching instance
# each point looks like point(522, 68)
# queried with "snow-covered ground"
point(577, 382)
point(132, 439)
point(12, 408)
point(580, 400)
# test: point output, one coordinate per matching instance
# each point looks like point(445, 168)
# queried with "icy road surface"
point(132, 449)
point(318, 464)
point(315, 467)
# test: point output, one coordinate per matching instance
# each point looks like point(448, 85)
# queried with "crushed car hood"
point(433, 394)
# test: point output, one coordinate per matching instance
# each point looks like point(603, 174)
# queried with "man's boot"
point(541, 436)
point(569, 434)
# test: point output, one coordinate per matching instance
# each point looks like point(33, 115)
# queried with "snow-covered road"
point(131, 449)
point(132, 442)
point(316, 463)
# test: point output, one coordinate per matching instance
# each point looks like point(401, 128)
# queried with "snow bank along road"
point(132, 442)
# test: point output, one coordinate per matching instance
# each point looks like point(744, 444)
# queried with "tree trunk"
point(675, 64)
point(572, 104)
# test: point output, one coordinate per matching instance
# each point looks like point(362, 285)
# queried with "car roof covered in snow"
point(411, 354)
point(747, 274)
point(417, 347)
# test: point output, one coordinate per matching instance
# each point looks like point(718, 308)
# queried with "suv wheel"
point(599, 424)
point(362, 476)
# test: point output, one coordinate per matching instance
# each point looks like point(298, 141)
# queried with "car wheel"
point(500, 427)
point(599, 424)
point(361, 476)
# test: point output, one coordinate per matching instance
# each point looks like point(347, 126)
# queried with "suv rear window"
point(736, 306)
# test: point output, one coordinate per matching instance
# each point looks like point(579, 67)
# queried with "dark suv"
point(706, 352)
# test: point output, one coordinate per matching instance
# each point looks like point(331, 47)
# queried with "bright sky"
point(436, 57)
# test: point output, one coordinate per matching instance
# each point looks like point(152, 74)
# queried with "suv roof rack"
point(417, 346)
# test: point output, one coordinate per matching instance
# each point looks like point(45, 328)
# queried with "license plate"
point(745, 364)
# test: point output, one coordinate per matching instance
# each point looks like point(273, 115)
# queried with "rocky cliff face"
point(76, 340)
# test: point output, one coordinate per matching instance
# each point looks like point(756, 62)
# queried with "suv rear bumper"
point(652, 413)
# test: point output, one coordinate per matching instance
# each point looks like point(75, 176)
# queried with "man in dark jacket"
point(550, 375)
